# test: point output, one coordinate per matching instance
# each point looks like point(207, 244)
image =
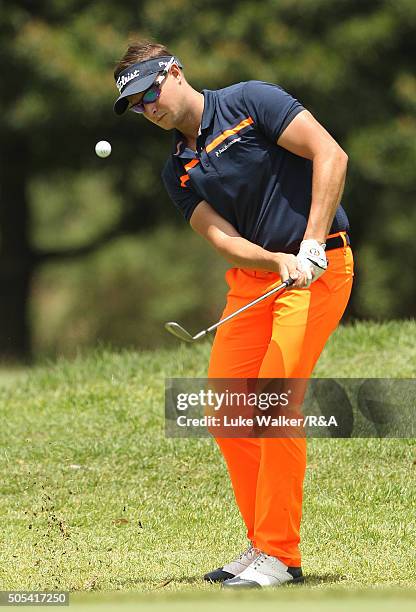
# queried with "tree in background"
point(56, 62)
point(349, 62)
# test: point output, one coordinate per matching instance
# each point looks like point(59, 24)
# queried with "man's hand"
point(311, 259)
point(287, 265)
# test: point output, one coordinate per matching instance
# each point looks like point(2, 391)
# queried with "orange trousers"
point(281, 337)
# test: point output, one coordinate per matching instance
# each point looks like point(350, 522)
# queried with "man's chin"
point(165, 123)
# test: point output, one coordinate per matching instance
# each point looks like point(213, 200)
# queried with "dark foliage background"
point(92, 250)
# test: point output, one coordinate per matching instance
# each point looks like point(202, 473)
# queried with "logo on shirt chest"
point(221, 150)
point(219, 142)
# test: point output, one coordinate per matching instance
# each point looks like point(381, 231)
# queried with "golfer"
point(255, 174)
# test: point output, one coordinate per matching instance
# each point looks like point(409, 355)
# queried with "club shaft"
point(243, 308)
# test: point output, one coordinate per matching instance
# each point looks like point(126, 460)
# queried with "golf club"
point(181, 333)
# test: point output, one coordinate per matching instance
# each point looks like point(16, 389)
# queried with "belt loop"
point(344, 240)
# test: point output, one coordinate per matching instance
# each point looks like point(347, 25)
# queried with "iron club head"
point(181, 333)
point(178, 331)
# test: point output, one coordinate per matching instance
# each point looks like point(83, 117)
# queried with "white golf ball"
point(103, 148)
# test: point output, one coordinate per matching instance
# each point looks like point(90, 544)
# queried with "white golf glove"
point(312, 259)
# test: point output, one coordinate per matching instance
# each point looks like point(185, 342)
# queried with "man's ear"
point(176, 72)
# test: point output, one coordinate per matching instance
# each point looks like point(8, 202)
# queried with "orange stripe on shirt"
point(185, 177)
point(228, 133)
point(191, 164)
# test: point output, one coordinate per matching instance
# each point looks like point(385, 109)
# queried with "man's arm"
point(305, 137)
point(237, 250)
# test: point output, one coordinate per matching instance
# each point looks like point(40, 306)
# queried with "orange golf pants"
point(280, 337)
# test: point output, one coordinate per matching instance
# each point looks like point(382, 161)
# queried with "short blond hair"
point(140, 51)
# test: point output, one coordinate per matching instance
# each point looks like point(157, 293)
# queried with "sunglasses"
point(153, 93)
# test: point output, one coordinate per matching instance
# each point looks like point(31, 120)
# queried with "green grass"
point(95, 498)
point(299, 600)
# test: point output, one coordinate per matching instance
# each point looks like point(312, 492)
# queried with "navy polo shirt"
point(262, 189)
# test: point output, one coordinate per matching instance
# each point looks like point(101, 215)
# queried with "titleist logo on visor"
point(123, 79)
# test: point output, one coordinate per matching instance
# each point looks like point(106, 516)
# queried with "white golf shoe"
point(265, 571)
point(235, 567)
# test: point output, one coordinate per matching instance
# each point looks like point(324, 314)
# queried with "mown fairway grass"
point(95, 498)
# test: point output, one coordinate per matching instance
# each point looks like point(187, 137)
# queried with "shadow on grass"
point(315, 579)
point(310, 580)
point(160, 584)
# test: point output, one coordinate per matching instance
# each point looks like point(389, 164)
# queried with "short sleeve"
point(271, 107)
point(180, 192)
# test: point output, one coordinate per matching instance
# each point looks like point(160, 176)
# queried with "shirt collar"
point(179, 147)
point(209, 107)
